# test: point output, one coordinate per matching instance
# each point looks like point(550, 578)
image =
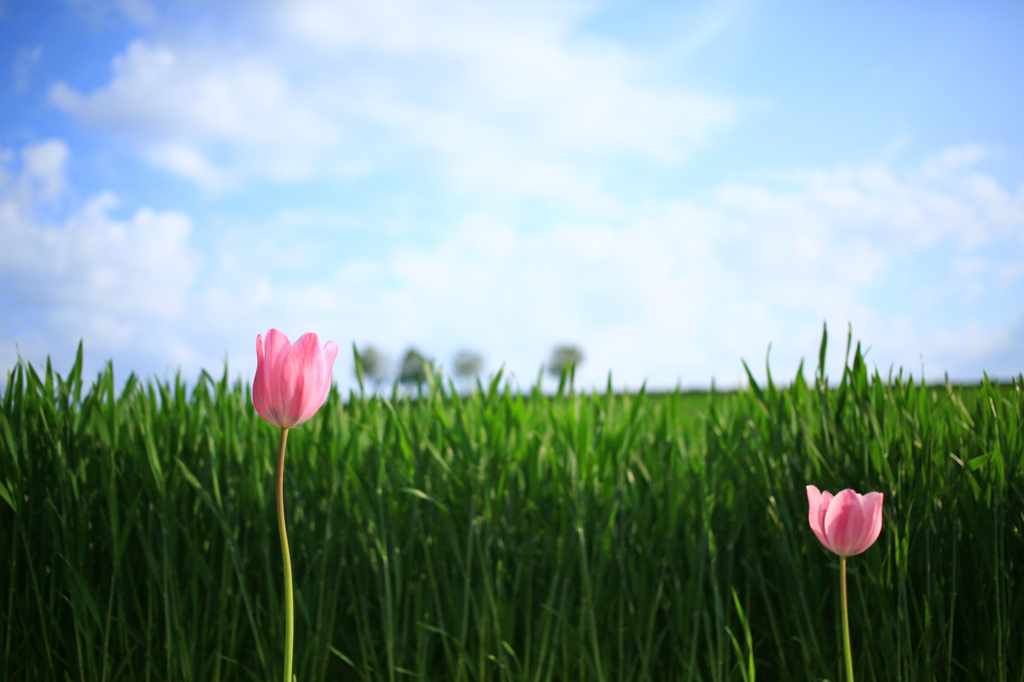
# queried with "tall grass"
point(508, 536)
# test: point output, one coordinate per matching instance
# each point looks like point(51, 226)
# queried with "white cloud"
point(44, 168)
point(40, 181)
point(121, 283)
point(466, 114)
point(505, 97)
point(690, 289)
point(187, 162)
point(673, 291)
point(186, 104)
point(676, 291)
point(520, 66)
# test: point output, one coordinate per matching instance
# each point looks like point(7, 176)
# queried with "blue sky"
point(671, 186)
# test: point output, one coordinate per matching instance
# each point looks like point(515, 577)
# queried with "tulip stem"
point(289, 611)
point(846, 620)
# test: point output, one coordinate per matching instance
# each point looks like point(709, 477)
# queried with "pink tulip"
point(292, 380)
point(846, 524)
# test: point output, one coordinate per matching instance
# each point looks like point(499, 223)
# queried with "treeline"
point(371, 364)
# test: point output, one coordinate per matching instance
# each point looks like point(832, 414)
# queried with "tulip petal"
point(276, 351)
point(261, 384)
point(871, 509)
point(844, 522)
point(330, 355)
point(302, 378)
point(817, 503)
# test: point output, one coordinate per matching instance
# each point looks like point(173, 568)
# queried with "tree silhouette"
point(414, 367)
point(467, 364)
point(564, 358)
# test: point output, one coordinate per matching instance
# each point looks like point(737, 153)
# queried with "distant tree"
point(414, 367)
point(375, 364)
point(467, 364)
point(562, 358)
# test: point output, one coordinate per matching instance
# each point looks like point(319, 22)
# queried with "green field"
point(508, 536)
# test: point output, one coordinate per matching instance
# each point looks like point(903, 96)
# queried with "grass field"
point(508, 536)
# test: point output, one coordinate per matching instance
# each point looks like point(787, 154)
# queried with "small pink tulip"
point(292, 380)
point(846, 524)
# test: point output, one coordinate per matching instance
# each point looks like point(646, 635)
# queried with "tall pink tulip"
point(846, 524)
point(292, 382)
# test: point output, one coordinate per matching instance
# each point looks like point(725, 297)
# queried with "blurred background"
point(663, 189)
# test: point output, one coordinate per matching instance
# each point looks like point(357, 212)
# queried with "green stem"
point(846, 620)
point(289, 611)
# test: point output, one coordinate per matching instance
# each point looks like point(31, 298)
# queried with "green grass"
point(508, 536)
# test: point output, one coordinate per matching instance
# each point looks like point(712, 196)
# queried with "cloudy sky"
point(673, 186)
